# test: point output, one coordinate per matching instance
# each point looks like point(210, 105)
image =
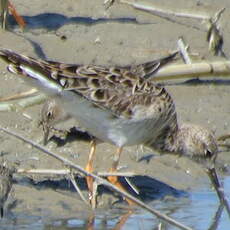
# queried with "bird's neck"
point(169, 141)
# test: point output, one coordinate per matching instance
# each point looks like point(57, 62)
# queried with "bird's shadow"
point(53, 21)
point(73, 134)
point(148, 188)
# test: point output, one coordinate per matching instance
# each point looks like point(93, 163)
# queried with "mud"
point(83, 32)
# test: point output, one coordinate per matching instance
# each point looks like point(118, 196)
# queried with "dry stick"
point(68, 171)
point(70, 174)
point(216, 219)
point(72, 179)
point(219, 190)
point(203, 69)
point(32, 101)
point(6, 107)
point(24, 103)
point(217, 15)
point(154, 9)
point(19, 95)
point(99, 180)
point(132, 186)
point(184, 51)
point(94, 194)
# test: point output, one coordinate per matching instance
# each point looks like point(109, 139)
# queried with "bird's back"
point(110, 102)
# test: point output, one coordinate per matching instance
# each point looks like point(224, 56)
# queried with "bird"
point(52, 113)
point(5, 185)
point(118, 105)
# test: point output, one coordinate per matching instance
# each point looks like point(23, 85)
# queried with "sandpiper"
point(118, 105)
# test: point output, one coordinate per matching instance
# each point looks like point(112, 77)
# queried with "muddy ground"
point(84, 32)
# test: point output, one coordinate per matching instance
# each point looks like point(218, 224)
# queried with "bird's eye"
point(208, 153)
point(49, 115)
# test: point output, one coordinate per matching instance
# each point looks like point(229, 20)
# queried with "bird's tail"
point(147, 69)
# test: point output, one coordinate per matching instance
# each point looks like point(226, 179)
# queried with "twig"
point(202, 69)
point(19, 95)
point(32, 101)
point(215, 39)
point(157, 10)
point(72, 179)
point(217, 15)
point(7, 107)
point(134, 188)
point(219, 190)
point(24, 103)
point(94, 194)
point(99, 180)
point(68, 171)
point(184, 51)
point(216, 219)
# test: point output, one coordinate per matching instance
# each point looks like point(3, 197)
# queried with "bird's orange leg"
point(123, 220)
point(114, 179)
point(17, 17)
point(89, 167)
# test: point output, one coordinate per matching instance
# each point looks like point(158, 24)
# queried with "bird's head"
point(197, 143)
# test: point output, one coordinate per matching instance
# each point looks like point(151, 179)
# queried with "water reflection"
point(201, 210)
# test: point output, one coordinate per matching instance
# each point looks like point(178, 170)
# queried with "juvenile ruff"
point(118, 105)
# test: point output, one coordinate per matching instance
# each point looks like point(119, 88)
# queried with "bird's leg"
point(89, 167)
point(17, 17)
point(46, 131)
point(123, 220)
point(114, 179)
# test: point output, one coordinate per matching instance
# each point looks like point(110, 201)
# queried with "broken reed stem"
point(72, 179)
point(202, 69)
point(217, 15)
point(99, 180)
point(19, 95)
point(23, 103)
point(160, 10)
point(184, 51)
point(68, 171)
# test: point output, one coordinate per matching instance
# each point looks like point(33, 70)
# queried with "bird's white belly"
point(102, 124)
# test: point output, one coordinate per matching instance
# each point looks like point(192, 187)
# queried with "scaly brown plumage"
point(119, 105)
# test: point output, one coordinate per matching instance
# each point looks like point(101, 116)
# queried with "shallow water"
point(199, 210)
